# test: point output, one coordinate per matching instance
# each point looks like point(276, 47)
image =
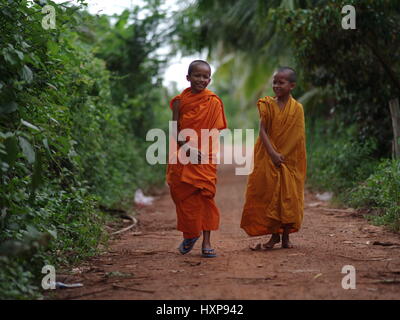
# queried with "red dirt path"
point(147, 265)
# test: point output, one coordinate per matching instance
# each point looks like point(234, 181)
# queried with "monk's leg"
point(189, 239)
point(285, 236)
point(206, 240)
point(206, 250)
point(186, 202)
point(210, 218)
point(190, 235)
point(275, 238)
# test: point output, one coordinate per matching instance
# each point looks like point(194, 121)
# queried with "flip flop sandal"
point(208, 253)
point(187, 245)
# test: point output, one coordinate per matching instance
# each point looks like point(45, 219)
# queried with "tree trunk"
point(395, 112)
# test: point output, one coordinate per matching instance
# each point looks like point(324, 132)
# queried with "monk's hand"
point(199, 156)
point(194, 152)
point(277, 159)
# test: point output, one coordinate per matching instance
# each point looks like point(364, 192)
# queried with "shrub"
point(67, 147)
point(337, 161)
point(381, 192)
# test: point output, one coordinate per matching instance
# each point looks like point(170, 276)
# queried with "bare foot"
point(286, 243)
point(275, 238)
point(256, 247)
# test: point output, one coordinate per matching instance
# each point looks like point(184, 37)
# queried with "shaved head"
point(291, 74)
point(195, 63)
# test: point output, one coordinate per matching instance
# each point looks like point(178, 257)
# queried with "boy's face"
point(199, 77)
point(281, 85)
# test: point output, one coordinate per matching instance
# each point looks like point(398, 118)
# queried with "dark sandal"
point(187, 245)
point(208, 253)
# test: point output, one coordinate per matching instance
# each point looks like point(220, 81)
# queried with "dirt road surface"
point(144, 263)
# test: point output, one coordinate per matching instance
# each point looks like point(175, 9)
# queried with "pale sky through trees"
point(177, 68)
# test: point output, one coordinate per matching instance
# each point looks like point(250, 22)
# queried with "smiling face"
point(199, 77)
point(281, 84)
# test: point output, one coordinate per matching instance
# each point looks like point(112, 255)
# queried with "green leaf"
point(123, 20)
point(64, 144)
point(27, 74)
point(8, 107)
point(52, 86)
point(3, 216)
point(46, 144)
point(32, 232)
point(27, 149)
point(54, 120)
point(19, 54)
point(8, 57)
point(52, 47)
point(37, 172)
point(11, 146)
point(25, 45)
point(29, 125)
point(53, 233)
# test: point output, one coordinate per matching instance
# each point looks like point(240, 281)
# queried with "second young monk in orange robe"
point(275, 188)
point(193, 185)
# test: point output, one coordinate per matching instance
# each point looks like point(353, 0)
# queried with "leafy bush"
point(363, 72)
point(337, 161)
point(341, 164)
point(381, 192)
point(67, 146)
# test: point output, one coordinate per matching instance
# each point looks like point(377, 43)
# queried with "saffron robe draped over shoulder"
point(275, 196)
point(193, 186)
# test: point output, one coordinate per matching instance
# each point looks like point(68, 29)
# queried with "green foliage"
point(240, 25)
point(61, 228)
point(360, 67)
point(381, 193)
point(336, 159)
point(242, 39)
point(72, 133)
point(114, 161)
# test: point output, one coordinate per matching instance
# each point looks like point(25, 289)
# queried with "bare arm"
point(276, 157)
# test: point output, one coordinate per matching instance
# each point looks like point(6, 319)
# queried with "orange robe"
point(275, 196)
point(193, 186)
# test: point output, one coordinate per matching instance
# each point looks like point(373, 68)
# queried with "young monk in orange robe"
point(275, 189)
point(193, 185)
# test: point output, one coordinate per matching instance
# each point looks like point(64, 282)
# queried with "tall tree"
point(361, 65)
point(242, 39)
